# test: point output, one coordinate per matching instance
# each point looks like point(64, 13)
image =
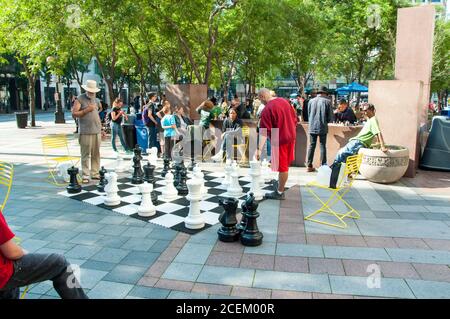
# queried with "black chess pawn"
point(74, 187)
point(251, 236)
point(182, 187)
point(102, 183)
point(137, 177)
point(228, 232)
point(149, 177)
point(177, 174)
point(166, 167)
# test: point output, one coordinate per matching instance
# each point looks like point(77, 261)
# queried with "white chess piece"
point(146, 209)
point(119, 163)
point(62, 170)
point(194, 220)
point(255, 173)
point(228, 170)
point(111, 189)
point(169, 192)
point(266, 172)
point(152, 155)
point(200, 176)
point(234, 189)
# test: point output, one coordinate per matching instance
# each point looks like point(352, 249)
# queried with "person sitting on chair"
point(364, 138)
point(232, 127)
point(20, 269)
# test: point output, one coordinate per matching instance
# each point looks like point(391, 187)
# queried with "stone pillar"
point(188, 95)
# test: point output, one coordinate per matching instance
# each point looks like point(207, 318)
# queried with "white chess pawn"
point(234, 189)
point(228, 170)
point(169, 192)
point(111, 189)
point(194, 220)
point(146, 209)
point(197, 172)
point(255, 173)
point(119, 163)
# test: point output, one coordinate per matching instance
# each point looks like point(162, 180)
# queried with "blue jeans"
point(153, 137)
point(350, 149)
point(116, 129)
point(34, 268)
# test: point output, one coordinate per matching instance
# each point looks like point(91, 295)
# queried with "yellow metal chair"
point(243, 146)
point(52, 144)
point(6, 179)
point(350, 172)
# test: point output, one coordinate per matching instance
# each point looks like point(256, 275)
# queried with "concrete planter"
point(379, 167)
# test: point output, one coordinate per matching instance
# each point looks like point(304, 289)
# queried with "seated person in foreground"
point(20, 269)
point(364, 138)
point(232, 127)
point(344, 113)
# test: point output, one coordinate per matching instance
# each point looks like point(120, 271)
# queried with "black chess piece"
point(177, 174)
point(137, 177)
point(102, 183)
point(149, 177)
point(228, 232)
point(74, 187)
point(251, 236)
point(192, 165)
point(182, 187)
point(166, 167)
point(241, 226)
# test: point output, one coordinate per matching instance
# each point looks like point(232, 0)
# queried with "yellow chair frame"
point(56, 142)
point(246, 136)
point(6, 179)
point(351, 171)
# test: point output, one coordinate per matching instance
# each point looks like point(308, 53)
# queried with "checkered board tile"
point(169, 214)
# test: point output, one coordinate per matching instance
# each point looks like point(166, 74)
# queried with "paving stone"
point(62, 236)
point(42, 235)
point(413, 215)
point(194, 254)
point(157, 269)
point(429, 289)
point(212, 289)
point(138, 232)
point(358, 267)
point(386, 215)
point(88, 278)
point(162, 233)
point(419, 256)
point(380, 242)
point(174, 285)
point(110, 290)
point(291, 281)
point(85, 239)
point(439, 209)
point(352, 241)
point(291, 238)
point(140, 259)
point(356, 253)
point(169, 254)
point(398, 270)
point(437, 216)
point(182, 271)
point(224, 259)
point(112, 230)
point(148, 281)
point(389, 287)
point(433, 272)
point(317, 239)
point(255, 261)
point(32, 245)
point(438, 244)
point(326, 266)
point(99, 265)
point(299, 250)
point(113, 220)
point(286, 294)
point(46, 250)
point(186, 295)
point(264, 249)
point(149, 293)
point(409, 208)
point(139, 244)
point(41, 288)
point(234, 247)
point(88, 228)
point(112, 241)
point(253, 293)
point(112, 255)
point(180, 240)
point(295, 228)
point(125, 274)
point(226, 276)
point(291, 264)
point(411, 243)
point(316, 295)
point(159, 246)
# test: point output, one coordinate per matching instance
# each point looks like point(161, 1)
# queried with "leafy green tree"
point(440, 79)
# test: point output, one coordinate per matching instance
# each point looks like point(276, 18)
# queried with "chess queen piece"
point(228, 232)
point(251, 236)
point(195, 219)
point(102, 183)
point(255, 173)
point(137, 177)
point(169, 192)
point(146, 209)
point(111, 189)
point(74, 187)
point(234, 189)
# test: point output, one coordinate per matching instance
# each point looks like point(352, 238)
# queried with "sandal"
point(85, 180)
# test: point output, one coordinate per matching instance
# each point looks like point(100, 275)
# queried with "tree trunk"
point(32, 102)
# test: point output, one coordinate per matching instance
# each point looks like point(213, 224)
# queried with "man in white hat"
point(86, 108)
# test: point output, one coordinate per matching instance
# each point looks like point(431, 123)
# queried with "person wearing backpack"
point(149, 116)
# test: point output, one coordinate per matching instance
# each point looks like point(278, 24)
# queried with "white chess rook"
point(169, 192)
point(111, 189)
point(146, 209)
point(195, 219)
point(255, 173)
point(234, 189)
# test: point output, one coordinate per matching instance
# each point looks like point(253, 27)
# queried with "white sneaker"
point(218, 157)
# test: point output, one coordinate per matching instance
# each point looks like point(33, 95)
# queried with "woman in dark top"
point(232, 127)
point(117, 115)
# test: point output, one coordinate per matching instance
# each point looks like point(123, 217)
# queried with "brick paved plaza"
point(404, 229)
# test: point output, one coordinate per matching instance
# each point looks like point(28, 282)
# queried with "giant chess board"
point(169, 214)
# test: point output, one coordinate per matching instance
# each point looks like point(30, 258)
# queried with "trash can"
point(142, 137)
point(21, 119)
point(129, 134)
